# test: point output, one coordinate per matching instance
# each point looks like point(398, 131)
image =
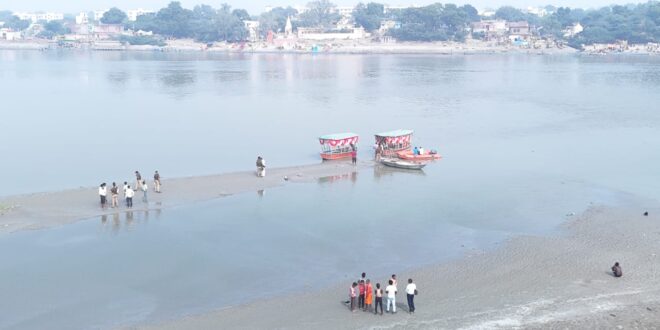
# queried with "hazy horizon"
point(258, 6)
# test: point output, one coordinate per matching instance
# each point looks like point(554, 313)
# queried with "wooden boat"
point(338, 146)
point(404, 164)
point(408, 155)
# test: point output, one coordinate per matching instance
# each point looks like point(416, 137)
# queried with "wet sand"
point(528, 282)
point(41, 210)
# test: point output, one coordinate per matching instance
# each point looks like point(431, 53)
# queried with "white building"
point(389, 8)
point(253, 30)
point(345, 11)
point(135, 13)
point(573, 30)
point(320, 34)
point(82, 18)
point(9, 35)
point(538, 11)
point(35, 17)
point(98, 14)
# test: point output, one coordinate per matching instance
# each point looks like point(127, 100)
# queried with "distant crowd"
point(128, 191)
point(363, 291)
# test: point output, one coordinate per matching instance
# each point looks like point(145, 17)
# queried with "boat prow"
point(409, 155)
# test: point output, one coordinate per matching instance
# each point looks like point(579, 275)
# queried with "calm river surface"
point(526, 140)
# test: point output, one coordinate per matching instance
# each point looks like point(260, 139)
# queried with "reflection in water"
point(129, 220)
point(261, 192)
point(116, 224)
point(177, 79)
point(119, 78)
point(336, 178)
point(384, 171)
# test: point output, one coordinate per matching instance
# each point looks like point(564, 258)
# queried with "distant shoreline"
point(337, 48)
point(329, 47)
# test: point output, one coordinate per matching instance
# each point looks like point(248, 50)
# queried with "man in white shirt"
point(129, 197)
point(103, 194)
point(390, 290)
point(411, 290)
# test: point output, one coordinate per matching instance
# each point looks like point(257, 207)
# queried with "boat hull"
point(402, 164)
point(335, 156)
point(408, 155)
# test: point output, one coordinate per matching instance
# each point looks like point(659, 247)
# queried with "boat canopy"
point(394, 137)
point(340, 139)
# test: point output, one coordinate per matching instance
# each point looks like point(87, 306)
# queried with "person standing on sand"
point(261, 167)
point(115, 195)
point(411, 291)
point(103, 193)
point(394, 280)
point(157, 182)
point(138, 180)
point(144, 191)
point(390, 290)
point(369, 297)
point(125, 187)
point(379, 299)
point(616, 270)
point(352, 296)
point(129, 197)
point(353, 155)
point(362, 290)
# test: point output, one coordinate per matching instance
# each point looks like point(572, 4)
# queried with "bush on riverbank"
point(142, 40)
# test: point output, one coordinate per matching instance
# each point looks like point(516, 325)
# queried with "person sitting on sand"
point(616, 270)
point(352, 296)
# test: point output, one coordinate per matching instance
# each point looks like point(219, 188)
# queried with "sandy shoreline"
point(529, 282)
point(42, 210)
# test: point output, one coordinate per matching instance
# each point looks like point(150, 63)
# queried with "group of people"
point(129, 192)
point(363, 291)
point(418, 150)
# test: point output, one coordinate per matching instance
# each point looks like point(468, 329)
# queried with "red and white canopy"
point(339, 140)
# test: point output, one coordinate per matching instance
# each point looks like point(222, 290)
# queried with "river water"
point(526, 140)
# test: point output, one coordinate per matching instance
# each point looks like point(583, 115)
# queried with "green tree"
point(369, 16)
point(320, 13)
point(174, 21)
point(52, 29)
point(17, 24)
point(241, 14)
point(113, 16)
point(510, 14)
point(275, 20)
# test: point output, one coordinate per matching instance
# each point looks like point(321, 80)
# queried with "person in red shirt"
point(362, 288)
point(354, 154)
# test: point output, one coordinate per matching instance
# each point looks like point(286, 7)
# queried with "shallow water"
point(525, 139)
point(145, 267)
point(98, 116)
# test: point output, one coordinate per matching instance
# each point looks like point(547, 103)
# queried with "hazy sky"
point(257, 6)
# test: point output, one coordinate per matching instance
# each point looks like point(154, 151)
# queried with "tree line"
point(436, 22)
